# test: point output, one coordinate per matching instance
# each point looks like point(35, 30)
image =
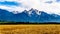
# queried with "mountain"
point(33, 15)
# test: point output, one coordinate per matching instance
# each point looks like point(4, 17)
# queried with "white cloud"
point(40, 5)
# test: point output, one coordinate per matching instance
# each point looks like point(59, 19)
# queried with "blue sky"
point(7, 3)
point(57, 0)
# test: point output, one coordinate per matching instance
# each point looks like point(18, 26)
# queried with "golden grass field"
point(30, 29)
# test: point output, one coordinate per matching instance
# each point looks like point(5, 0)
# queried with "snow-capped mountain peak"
point(33, 11)
point(26, 17)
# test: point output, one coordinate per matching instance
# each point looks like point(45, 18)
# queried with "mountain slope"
point(32, 15)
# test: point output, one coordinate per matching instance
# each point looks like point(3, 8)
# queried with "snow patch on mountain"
point(26, 17)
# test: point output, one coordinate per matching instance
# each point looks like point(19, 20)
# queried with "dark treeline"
point(28, 23)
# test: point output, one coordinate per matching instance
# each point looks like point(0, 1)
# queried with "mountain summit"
point(32, 15)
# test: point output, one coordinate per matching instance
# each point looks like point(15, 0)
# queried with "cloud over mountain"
point(49, 6)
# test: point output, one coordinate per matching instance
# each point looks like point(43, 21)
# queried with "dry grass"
point(29, 29)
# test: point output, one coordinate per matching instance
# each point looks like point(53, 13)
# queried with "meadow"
point(30, 29)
